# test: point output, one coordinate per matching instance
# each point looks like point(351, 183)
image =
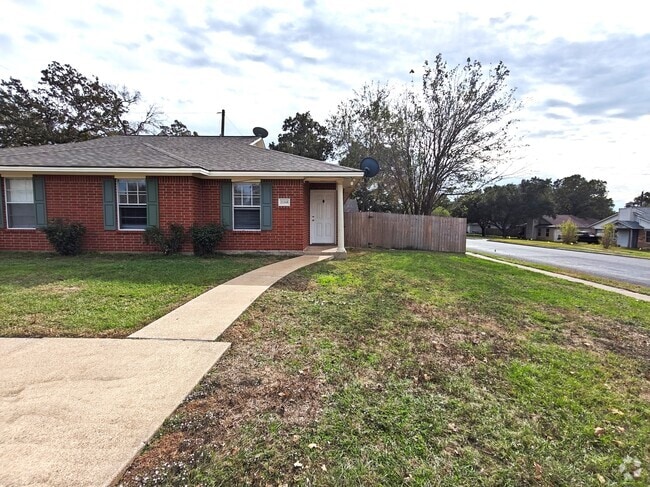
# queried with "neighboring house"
point(632, 227)
point(475, 228)
point(548, 227)
point(118, 186)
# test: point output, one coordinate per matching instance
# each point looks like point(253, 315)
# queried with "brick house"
point(117, 186)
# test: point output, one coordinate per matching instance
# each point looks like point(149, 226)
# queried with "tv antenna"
point(223, 120)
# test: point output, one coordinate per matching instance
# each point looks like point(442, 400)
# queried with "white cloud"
point(580, 68)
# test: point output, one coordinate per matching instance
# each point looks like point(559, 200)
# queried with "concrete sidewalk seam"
point(153, 339)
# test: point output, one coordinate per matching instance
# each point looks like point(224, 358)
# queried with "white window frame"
point(7, 203)
point(138, 205)
point(236, 206)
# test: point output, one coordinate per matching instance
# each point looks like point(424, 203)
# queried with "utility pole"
point(223, 120)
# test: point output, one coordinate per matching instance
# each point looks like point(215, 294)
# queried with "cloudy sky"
point(581, 69)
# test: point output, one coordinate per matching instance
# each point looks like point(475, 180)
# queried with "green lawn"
point(568, 272)
point(415, 368)
point(577, 247)
point(103, 295)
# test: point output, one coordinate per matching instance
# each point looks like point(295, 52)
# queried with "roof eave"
point(181, 171)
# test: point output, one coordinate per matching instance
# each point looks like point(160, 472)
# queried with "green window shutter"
point(226, 205)
point(153, 218)
point(39, 201)
point(2, 205)
point(110, 217)
point(267, 205)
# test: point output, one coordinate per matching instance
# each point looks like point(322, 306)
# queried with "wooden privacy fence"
point(394, 231)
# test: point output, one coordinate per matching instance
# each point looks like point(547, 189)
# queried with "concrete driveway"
point(627, 269)
point(76, 411)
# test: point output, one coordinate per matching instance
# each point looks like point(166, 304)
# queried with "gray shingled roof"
point(632, 225)
point(560, 219)
point(228, 154)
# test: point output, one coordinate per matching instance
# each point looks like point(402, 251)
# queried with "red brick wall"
point(184, 200)
point(642, 242)
point(290, 227)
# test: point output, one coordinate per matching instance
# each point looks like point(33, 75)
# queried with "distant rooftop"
point(558, 220)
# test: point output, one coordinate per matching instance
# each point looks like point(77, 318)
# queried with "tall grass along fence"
point(394, 231)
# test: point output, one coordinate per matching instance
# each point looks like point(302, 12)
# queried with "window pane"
point(21, 215)
point(132, 191)
point(247, 219)
point(20, 191)
point(133, 217)
point(246, 194)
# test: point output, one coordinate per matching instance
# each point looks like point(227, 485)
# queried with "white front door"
point(322, 210)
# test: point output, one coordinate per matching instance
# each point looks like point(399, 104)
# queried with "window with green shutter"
point(132, 204)
point(21, 209)
point(2, 206)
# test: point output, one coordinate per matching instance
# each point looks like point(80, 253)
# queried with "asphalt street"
point(628, 269)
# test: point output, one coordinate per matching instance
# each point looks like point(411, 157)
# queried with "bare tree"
point(446, 138)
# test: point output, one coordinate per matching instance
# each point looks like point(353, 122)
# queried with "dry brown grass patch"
point(247, 384)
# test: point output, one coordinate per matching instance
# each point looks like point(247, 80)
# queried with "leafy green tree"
point(67, 107)
point(609, 236)
point(574, 195)
point(304, 136)
point(440, 211)
point(569, 232)
point(506, 207)
point(536, 197)
point(476, 208)
point(443, 139)
point(177, 129)
point(643, 200)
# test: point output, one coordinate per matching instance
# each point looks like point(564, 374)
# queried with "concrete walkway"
point(207, 316)
point(624, 292)
point(75, 411)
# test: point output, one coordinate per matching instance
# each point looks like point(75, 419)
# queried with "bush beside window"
point(66, 237)
point(206, 237)
point(172, 243)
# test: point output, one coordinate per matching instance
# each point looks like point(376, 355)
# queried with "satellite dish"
point(369, 166)
point(261, 132)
